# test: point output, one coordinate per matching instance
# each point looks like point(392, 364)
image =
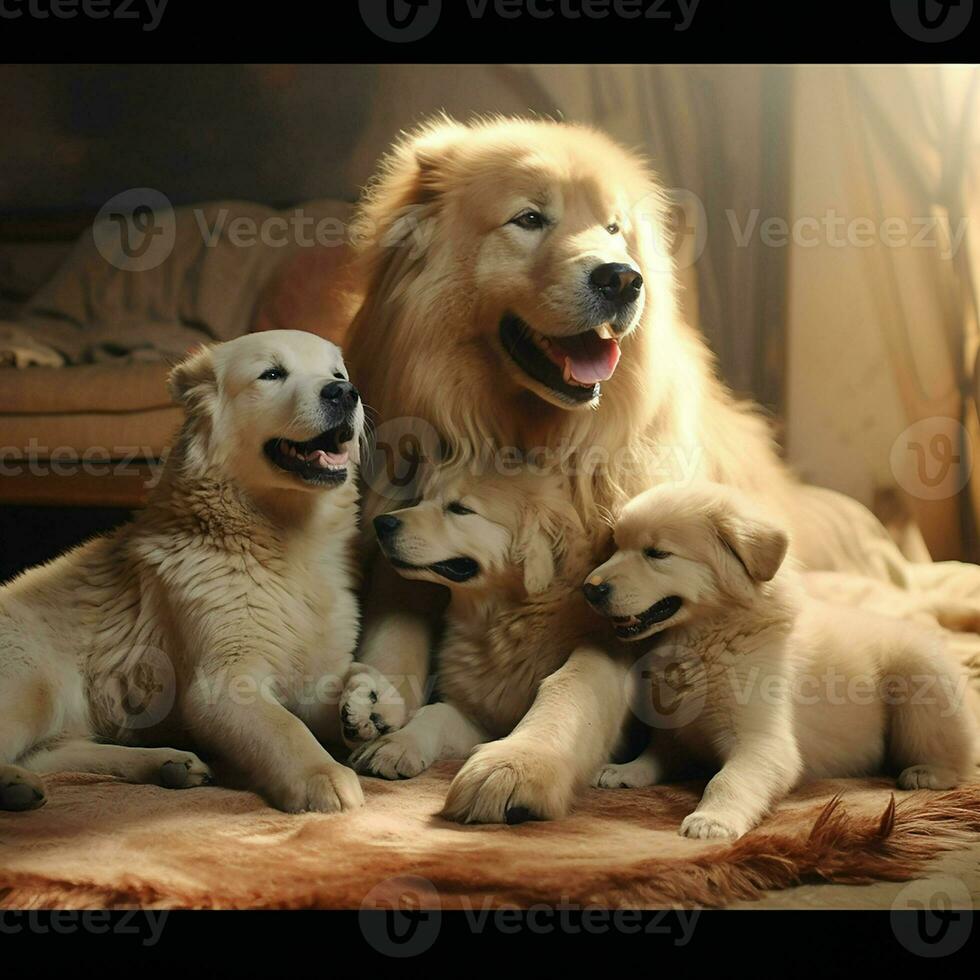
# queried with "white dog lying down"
point(513, 552)
point(770, 683)
point(223, 617)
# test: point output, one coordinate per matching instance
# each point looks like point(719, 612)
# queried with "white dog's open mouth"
point(322, 460)
point(573, 367)
point(630, 627)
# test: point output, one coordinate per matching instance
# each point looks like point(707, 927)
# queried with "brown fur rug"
point(100, 843)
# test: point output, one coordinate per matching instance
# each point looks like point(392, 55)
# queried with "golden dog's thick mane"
point(652, 422)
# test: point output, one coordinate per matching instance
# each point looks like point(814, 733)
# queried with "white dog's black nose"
point(341, 393)
point(597, 595)
point(617, 283)
point(385, 526)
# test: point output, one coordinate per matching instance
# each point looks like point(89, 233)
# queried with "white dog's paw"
point(626, 776)
point(507, 782)
point(707, 826)
point(183, 770)
point(927, 777)
point(328, 790)
point(370, 706)
point(395, 756)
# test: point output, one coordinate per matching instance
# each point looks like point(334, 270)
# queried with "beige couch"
point(87, 435)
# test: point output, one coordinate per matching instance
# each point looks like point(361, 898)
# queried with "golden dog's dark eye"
point(655, 554)
point(613, 228)
point(274, 374)
point(457, 508)
point(530, 220)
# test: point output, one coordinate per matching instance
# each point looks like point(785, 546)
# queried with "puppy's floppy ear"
point(534, 549)
point(193, 383)
point(759, 546)
point(549, 527)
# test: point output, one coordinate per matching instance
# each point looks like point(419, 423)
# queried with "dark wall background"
point(75, 135)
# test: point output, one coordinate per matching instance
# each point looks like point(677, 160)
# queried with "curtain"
point(882, 312)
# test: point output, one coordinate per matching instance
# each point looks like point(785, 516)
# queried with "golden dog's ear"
point(413, 174)
point(193, 383)
point(758, 545)
point(435, 149)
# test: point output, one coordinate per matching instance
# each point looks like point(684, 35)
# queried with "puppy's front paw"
point(927, 777)
point(707, 826)
point(395, 756)
point(328, 790)
point(20, 789)
point(630, 775)
point(507, 782)
point(369, 706)
point(183, 770)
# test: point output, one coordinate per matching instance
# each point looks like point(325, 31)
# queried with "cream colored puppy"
point(512, 551)
point(772, 685)
point(223, 617)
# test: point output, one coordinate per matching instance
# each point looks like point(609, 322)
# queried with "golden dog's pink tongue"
point(324, 460)
point(590, 358)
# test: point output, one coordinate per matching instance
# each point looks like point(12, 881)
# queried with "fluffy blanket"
point(100, 843)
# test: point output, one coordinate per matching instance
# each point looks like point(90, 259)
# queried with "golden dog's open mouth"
point(322, 460)
point(453, 569)
point(633, 627)
point(572, 367)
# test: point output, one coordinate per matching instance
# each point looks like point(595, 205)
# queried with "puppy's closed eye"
point(655, 554)
point(457, 508)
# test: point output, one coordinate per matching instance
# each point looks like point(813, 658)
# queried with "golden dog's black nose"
point(596, 595)
point(385, 525)
point(341, 393)
point(619, 284)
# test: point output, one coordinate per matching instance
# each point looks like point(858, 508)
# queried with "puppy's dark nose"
point(597, 595)
point(386, 525)
point(619, 284)
point(341, 393)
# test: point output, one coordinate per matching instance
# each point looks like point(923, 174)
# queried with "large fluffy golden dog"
point(223, 617)
point(520, 296)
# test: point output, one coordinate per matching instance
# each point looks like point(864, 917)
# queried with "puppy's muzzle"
point(597, 595)
point(386, 526)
